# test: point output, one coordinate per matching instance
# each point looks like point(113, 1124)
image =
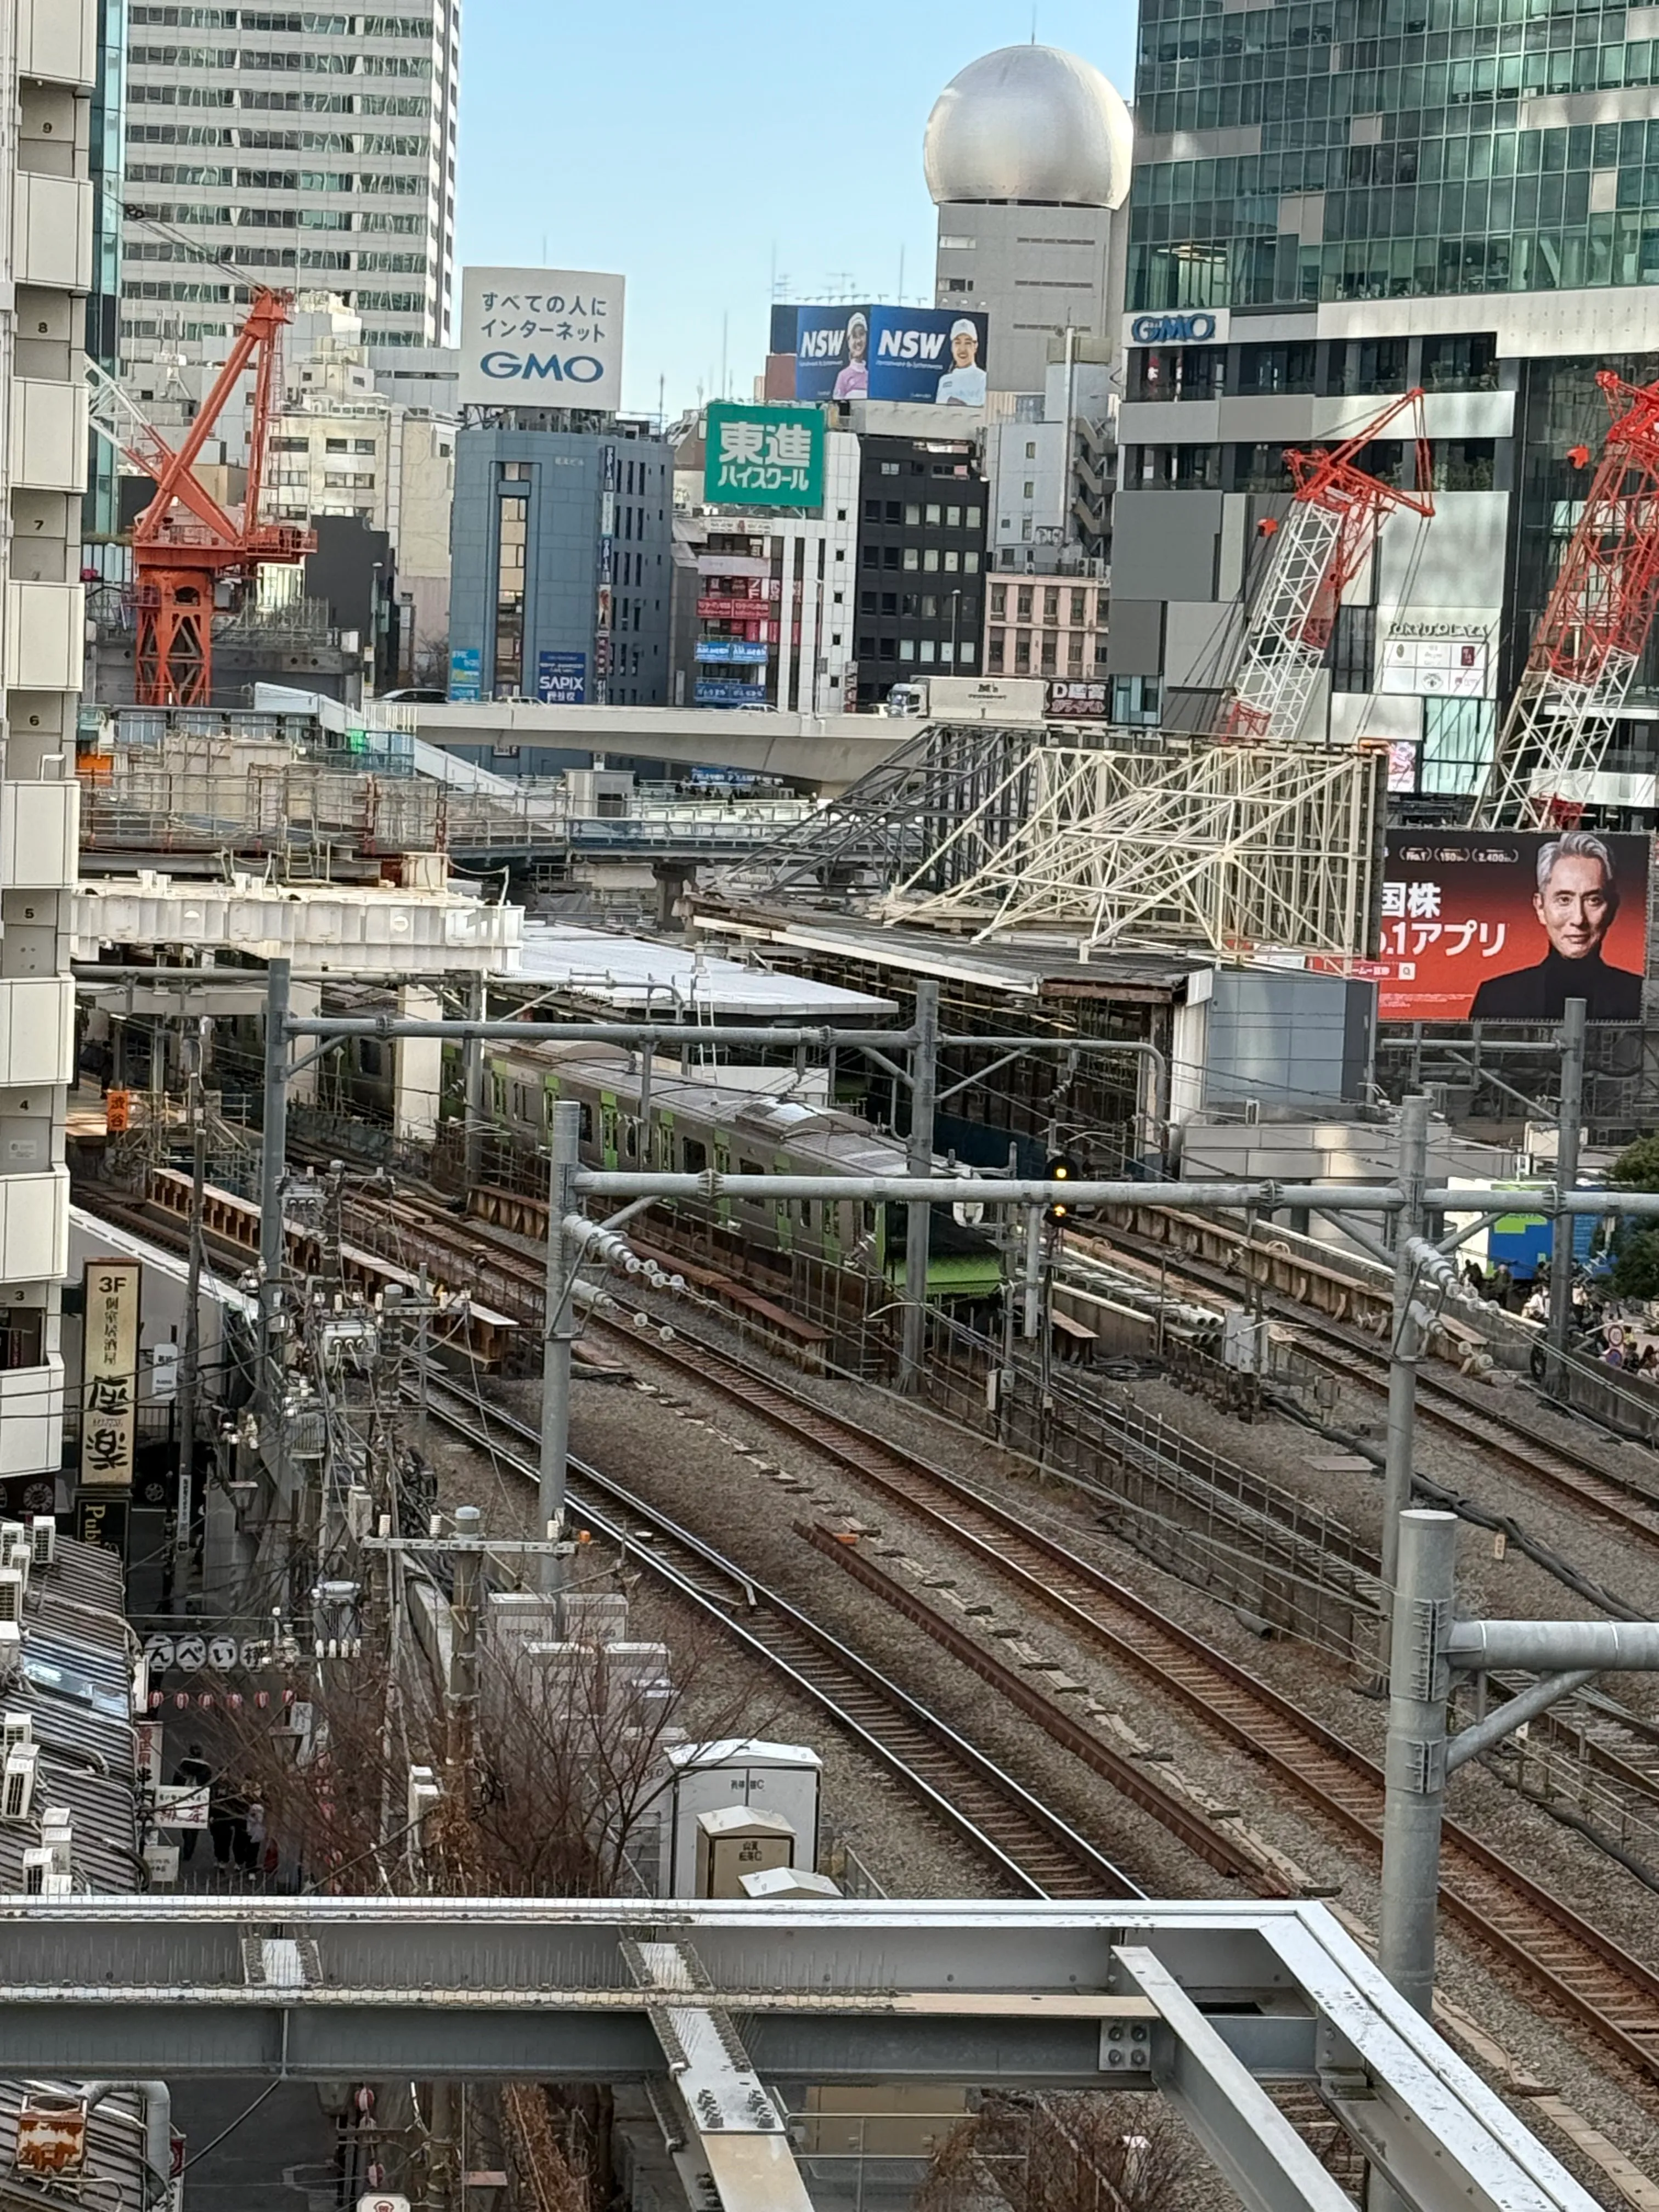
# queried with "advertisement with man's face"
point(1506, 926)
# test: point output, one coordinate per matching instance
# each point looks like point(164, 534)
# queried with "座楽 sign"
point(764, 456)
point(109, 1373)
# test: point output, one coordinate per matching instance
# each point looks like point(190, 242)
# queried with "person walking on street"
point(193, 1772)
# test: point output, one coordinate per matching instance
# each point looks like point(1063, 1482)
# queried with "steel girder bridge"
point(1202, 2002)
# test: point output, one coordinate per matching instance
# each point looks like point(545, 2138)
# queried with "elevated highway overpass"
point(825, 752)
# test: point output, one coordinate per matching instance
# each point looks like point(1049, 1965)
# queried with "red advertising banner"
point(1505, 926)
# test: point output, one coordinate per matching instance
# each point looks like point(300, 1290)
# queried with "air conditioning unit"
point(424, 1794)
point(17, 1783)
point(43, 1539)
point(37, 1865)
point(11, 1594)
point(11, 1652)
point(57, 1884)
point(14, 1537)
point(18, 1727)
point(57, 1836)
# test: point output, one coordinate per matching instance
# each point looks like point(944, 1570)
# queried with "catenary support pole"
point(1415, 1761)
point(562, 1253)
point(461, 1697)
point(1570, 1127)
point(189, 1355)
point(918, 1158)
point(1405, 1335)
point(273, 1167)
point(472, 1067)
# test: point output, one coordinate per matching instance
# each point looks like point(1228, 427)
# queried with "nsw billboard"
point(1501, 926)
point(929, 356)
point(541, 337)
point(764, 456)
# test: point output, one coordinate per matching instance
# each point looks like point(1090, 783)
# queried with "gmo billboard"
point(541, 337)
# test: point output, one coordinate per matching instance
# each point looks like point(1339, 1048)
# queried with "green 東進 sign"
point(764, 456)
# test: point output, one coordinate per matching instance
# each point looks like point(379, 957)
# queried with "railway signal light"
point(1061, 1168)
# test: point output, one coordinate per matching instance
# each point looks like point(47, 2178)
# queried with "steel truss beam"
point(1224, 846)
point(1039, 1994)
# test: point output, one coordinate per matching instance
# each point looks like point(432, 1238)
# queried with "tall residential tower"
point(311, 148)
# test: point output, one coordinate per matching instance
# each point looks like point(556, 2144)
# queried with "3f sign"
point(575, 369)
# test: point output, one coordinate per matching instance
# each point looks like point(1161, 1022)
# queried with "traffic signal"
point(1061, 1168)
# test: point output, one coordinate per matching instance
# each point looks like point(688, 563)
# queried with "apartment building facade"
point(48, 69)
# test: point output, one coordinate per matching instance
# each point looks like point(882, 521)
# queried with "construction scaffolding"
point(1227, 846)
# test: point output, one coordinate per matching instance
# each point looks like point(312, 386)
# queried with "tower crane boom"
point(1337, 513)
point(1591, 635)
point(187, 542)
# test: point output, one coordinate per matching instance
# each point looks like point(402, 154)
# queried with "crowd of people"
point(1600, 1330)
point(236, 1823)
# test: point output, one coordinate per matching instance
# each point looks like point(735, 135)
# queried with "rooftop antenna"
point(900, 289)
point(1034, 26)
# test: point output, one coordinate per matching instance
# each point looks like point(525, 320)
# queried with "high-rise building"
point(48, 68)
point(1329, 207)
point(310, 148)
point(107, 157)
point(922, 558)
point(1027, 156)
point(561, 564)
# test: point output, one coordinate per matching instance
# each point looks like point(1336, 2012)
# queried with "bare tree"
point(1082, 2151)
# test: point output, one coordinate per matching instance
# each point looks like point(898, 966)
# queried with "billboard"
point(1437, 658)
point(562, 679)
point(541, 337)
point(1501, 926)
point(466, 672)
point(935, 357)
point(764, 456)
point(109, 1372)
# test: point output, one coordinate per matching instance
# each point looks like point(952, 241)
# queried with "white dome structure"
point(1031, 124)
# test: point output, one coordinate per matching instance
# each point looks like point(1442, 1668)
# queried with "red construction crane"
point(186, 544)
point(1337, 512)
point(1592, 633)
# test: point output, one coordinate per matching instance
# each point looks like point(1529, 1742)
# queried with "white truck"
point(971, 698)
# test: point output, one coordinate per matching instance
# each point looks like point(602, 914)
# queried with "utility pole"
point(1569, 1133)
point(1415, 1766)
point(190, 1359)
point(919, 1161)
point(559, 1328)
point(1405, 1336)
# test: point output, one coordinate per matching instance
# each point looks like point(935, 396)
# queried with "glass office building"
point(1331, 205)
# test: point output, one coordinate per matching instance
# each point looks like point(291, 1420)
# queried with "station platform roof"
point(641, 976)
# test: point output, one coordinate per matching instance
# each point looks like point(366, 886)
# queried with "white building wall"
point(47, 57)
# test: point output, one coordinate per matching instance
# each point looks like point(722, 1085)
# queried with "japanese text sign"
point(1482, 924)
point(934, 356)
point(541, 337)
point(109, 1372)
point(764, 456)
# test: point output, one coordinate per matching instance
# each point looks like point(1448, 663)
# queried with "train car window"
point(869, 1218)
point(694, 1154)
point(631, 1139)
point(806, 1205)
point(587, 1124)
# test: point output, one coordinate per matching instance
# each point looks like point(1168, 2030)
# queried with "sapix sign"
point(541, 337)
point(1203, 326)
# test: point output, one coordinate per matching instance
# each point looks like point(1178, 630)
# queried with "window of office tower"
point(1374, 149)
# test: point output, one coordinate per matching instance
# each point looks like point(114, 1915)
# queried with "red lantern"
point(235, 1701)
point(207, 1700)
point(262, 1699)
point(180, 1699)
point(155, 1696)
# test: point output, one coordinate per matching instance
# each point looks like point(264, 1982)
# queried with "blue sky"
point(696, 148)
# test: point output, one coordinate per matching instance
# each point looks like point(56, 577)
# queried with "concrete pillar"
point(417, 1068)
point(304, 1003)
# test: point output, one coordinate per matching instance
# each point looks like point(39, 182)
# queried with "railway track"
point(1535, 1934)
point(1032, 1847)
point(1623, 1498)
point(1561, 1954)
